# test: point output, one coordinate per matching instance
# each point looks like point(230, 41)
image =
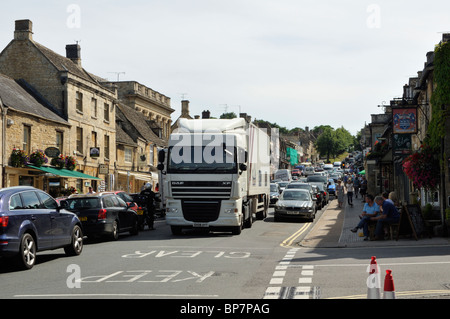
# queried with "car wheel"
point(76, 246)
point(27, 252)
point(115, 231)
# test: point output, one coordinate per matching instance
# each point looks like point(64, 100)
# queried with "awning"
point(64, 172)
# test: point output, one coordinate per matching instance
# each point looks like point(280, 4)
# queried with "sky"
point(296, 63)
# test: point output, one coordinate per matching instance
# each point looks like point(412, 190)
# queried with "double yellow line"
point(288, 241)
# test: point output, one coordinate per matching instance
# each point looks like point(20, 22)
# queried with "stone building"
point(28, 124)
point(137, 148)
point(154, 105)
point(80, 98)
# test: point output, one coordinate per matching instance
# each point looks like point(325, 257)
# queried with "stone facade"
point(81, 98)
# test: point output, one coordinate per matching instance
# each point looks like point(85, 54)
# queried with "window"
point(79, 101)
point(128, 155)
point(106, 112)
point(27, 139)
point(15, 202)
point(60, 141)
point(94, 107)
point(48, 202)
point(152, 155)
point(80, 140)
point(30, 200)
point(106, 142)
point(94, 139)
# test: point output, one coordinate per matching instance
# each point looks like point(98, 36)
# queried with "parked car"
point(295, 203)
point(103, 214)
point(274, 193)
point(31, 221)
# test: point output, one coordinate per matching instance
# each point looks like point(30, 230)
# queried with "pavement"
point(332, 230)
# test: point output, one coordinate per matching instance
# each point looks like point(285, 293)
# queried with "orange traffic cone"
point(389, 291)
point(373, 281)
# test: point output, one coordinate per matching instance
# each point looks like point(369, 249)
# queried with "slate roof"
point(62, 63)
point(18, 99)
point(134, 124)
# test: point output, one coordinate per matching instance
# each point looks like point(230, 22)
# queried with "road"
point(264, 262)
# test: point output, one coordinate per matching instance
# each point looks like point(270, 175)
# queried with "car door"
point(39, 217)
point(124, 215)
point(60, 221)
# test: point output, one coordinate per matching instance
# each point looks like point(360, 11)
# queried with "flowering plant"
point(58, 162)
point(38, 158)
point(18, 158)
point(71, 162)
point(422, 167)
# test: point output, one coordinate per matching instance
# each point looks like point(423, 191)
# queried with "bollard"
point(389, 290)
point(373, 281)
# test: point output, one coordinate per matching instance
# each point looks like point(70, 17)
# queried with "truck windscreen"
point(202, 159)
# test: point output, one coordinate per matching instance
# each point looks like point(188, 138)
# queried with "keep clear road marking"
point(301, 292)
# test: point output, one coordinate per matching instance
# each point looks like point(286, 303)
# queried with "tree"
point(230, 115)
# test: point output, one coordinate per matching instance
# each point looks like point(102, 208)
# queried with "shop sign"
point(52, 152)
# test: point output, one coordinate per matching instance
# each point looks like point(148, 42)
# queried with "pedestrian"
point(389, 215)
point(90, 190)
point(150, 198)
point(340, 193)
point(356, 185)
point(370, 209)
point(363, 187)
point(350, 189)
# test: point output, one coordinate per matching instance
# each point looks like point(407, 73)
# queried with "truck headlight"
point(171, 210)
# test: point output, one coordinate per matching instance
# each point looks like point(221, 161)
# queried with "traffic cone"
point(389, 290)
point(373, 281)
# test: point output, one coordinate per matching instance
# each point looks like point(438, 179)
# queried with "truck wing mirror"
point(161, 156)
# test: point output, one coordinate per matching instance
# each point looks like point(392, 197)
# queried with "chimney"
point(446, 37)
point(206, 114)
point(23, 30)
point(185, 108)
point(73, 52)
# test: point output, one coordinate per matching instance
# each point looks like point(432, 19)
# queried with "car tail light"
point(4, 221)
point(101, 214)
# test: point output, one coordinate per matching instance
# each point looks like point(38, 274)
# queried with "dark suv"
point(31, 221)
point(103, 214)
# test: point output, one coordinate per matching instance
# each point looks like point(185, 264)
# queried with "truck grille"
point(201, 190)
point(201, 211)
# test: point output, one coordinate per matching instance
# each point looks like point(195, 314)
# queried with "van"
point(309, 170)
point(282, 174)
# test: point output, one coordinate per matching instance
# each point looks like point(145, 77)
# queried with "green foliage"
point(333, 142)
point(440, 99)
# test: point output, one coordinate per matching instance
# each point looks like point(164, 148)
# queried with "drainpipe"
point(4, 110)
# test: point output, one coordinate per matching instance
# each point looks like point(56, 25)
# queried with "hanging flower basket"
point(38, 158)
point(422, 168)
point(70, 162)
point(19, 158)
point(58, 162)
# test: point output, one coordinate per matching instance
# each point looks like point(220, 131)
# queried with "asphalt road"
point(264, 262)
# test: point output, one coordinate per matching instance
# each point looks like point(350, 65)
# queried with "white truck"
point(216, 175)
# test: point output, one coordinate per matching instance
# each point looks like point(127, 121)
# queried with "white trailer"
point(217, 175)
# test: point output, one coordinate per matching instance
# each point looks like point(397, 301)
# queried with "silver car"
point(296, 203)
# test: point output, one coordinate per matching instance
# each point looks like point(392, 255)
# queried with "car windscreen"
point(302, 196)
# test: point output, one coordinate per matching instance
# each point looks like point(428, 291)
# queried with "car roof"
point(296, 190)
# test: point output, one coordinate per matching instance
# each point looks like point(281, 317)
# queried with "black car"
point(31, 220)
point(103, 214)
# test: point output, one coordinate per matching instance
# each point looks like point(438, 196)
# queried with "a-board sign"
point(411, 221)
